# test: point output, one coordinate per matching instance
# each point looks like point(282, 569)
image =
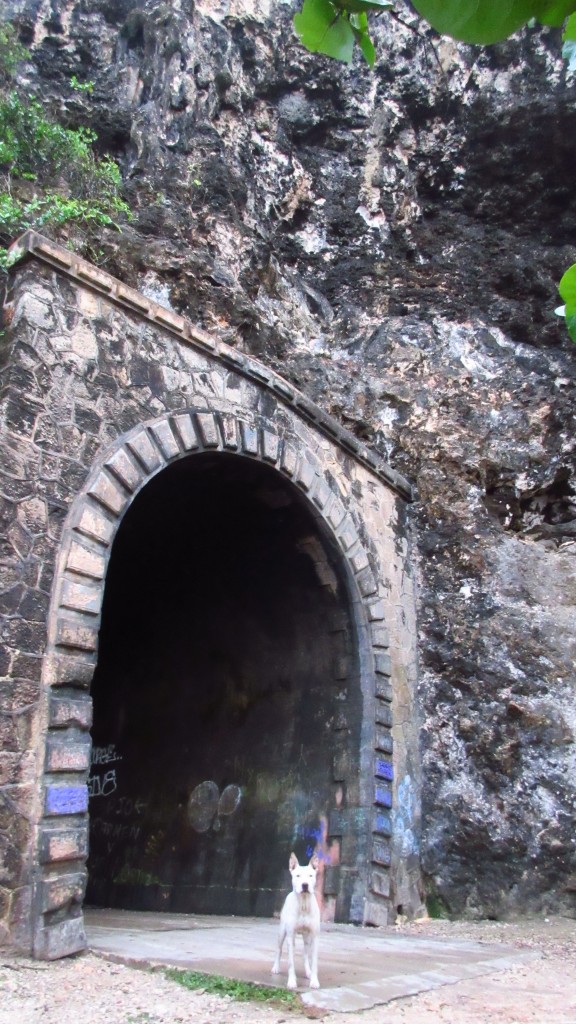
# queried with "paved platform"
point(358, 967)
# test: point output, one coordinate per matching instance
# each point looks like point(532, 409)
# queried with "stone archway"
point(227, 658)
point(364, 827)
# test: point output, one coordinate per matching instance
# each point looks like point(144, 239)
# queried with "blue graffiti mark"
point(384, 769)
point(66, 799)
point(306, 832)
point(382, 796)
point(404, 817)
point(316, 838)
point(383, 824)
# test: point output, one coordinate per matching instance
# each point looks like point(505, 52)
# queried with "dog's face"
point(303, 878)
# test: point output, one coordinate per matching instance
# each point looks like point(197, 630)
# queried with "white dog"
point(300, 916)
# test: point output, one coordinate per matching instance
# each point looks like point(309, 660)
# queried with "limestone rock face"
point(391, 242)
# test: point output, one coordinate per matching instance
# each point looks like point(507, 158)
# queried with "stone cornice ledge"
point(32, 244)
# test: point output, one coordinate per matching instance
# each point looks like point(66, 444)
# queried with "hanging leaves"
point(567, 289)
point(334, 26)
point(569, 39)
point(489, 21)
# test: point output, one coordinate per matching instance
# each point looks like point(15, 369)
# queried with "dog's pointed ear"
point(314, 862)
point(293, 862)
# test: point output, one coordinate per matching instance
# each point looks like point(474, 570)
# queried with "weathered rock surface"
point(391, 243)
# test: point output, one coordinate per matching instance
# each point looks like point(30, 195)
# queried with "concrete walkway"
point(359, 967)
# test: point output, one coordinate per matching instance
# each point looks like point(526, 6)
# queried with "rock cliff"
point(391, 242)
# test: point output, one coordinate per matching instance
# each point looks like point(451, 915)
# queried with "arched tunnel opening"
point(227, 654)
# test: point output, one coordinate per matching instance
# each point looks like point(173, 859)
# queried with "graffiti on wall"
point(102, 780)
point(207, 805)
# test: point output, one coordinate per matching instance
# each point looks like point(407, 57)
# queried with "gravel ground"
point(92, 990)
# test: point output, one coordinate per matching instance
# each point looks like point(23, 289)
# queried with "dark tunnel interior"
point(225, 625)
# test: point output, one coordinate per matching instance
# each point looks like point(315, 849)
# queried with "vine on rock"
point(50, 175)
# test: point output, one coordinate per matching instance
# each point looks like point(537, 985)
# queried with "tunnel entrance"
point(226, 648)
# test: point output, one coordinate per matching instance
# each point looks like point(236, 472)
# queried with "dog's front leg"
point(307, 939)
point(313, 947)
point(281, 937)
point(291, 968)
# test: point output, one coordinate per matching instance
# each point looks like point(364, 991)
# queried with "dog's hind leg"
point(281, 937)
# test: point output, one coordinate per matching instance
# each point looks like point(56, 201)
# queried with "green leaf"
point(322, 29)
point(567, 287)
point(367, 47)
point(569, 33)
point(554, 12)
point(360, 6)
point(489, 21)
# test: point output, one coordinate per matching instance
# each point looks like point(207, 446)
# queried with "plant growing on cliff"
point(334, 26)
point(50, 174)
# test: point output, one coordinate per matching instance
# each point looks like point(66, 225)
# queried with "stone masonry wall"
point(101, 389)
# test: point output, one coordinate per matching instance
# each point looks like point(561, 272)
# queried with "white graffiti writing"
point(105, 755)
point(115, 829)
point(103, 784)
point(125, 806)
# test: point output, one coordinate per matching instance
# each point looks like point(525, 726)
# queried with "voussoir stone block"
point(62, 890)
point(81, 597)
point(64, 844)
point(249, 436)
point(229, 432)
point(63, 755)
point(166, 440)
point(184, 425)
point(86, 561)
point(70, 669)
point(270, 446)
point(63, 799)
point(61, 939)
point(109, 492)
point(145, 451)
point(76, 634)
point(70, 711)
point(125, 469)
point(208, 429)
point(93, 522)
point(376, 914)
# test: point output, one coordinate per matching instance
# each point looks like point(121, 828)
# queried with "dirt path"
point(91, 990)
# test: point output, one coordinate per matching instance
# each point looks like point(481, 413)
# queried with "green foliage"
point(489, 21)
point(567, 289)
point(436, 907)
point(333, 26)
point(569, 39)
point(50, 175)
point(81, 86)
point(12, 53)
point(32, 144)
point(244, 991)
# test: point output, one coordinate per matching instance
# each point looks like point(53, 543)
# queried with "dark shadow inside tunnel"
point(226, 654)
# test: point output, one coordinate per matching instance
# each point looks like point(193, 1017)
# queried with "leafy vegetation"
point(244, 991)
point(50, 175)
point(490, 21)
point(334, 26)
point(567, 289)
